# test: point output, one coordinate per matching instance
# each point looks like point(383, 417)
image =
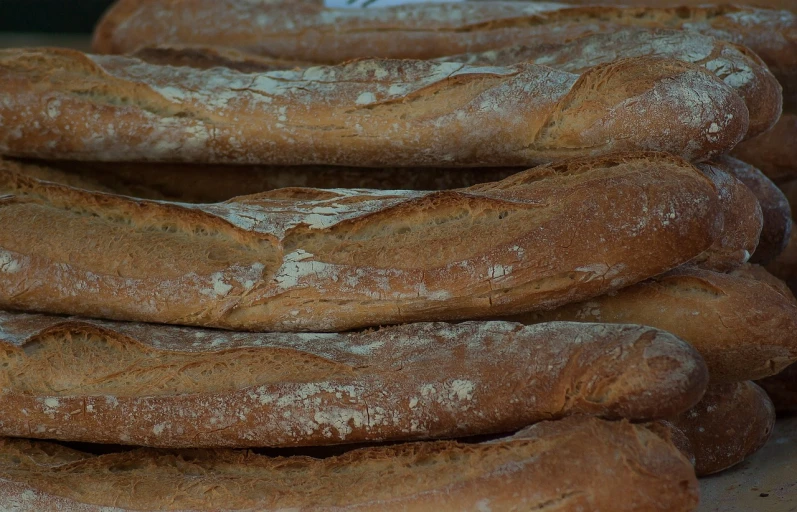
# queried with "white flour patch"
point(341, 420)
point(220, 288)
point(295, 267)
point(462, 390)
point(365, 98)
point(8, 265)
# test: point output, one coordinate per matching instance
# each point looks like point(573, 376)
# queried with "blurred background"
point(49, 22)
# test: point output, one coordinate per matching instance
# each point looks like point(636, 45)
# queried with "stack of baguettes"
point(579, 335)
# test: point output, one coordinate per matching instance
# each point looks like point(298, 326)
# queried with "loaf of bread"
point(573, 464)
point(743, 326)
point(775, 151)
point(310, 32)
point(777, 222)
point(732, 422)
point(782, 389)
point(737, 66)
point(741, 219)
point(331, 260)
point(741, 222)
point(166, 386)
point(195, 183)
point(62, 104)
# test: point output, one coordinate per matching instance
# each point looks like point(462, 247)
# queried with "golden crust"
point(367, 113)
point(730, 423)
point(776, 213)
point(743, 327)
point(310, 32)
point(87, 380)
point(631, 468)
point(331, 260)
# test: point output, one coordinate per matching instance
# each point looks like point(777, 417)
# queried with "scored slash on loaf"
point(64, 104)
point(632, 469)
point(321, 260)
point(736, 66)
point(193, 183)
point(88, 380)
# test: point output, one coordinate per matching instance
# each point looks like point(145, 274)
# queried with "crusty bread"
point(743, 326)
point(574, 464)
point(62, 104)
point(737, 66)
point(761, 274)
point(144, 384)
point(775, 151)
point(777, 223)
point(310, 32)
point(195, 183)
point(741, 222)
point(331, 260)
point(732, 422)
point(782, 389)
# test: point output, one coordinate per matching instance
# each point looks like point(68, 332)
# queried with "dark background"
point(53, 16)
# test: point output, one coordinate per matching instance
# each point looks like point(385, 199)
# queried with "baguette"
point(782, 389)
point(739, 224)
point(316, 260)
point(165, 386)
point(194, 183)
point(777, 223)
point(741, 218)
point(574, 464)
point(742, 326)
point(737, 66)
point(774, 152)
point(63, 104)
point(312, 33)
point(732, 422)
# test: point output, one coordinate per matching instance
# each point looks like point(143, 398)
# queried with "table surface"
point(766, 482)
